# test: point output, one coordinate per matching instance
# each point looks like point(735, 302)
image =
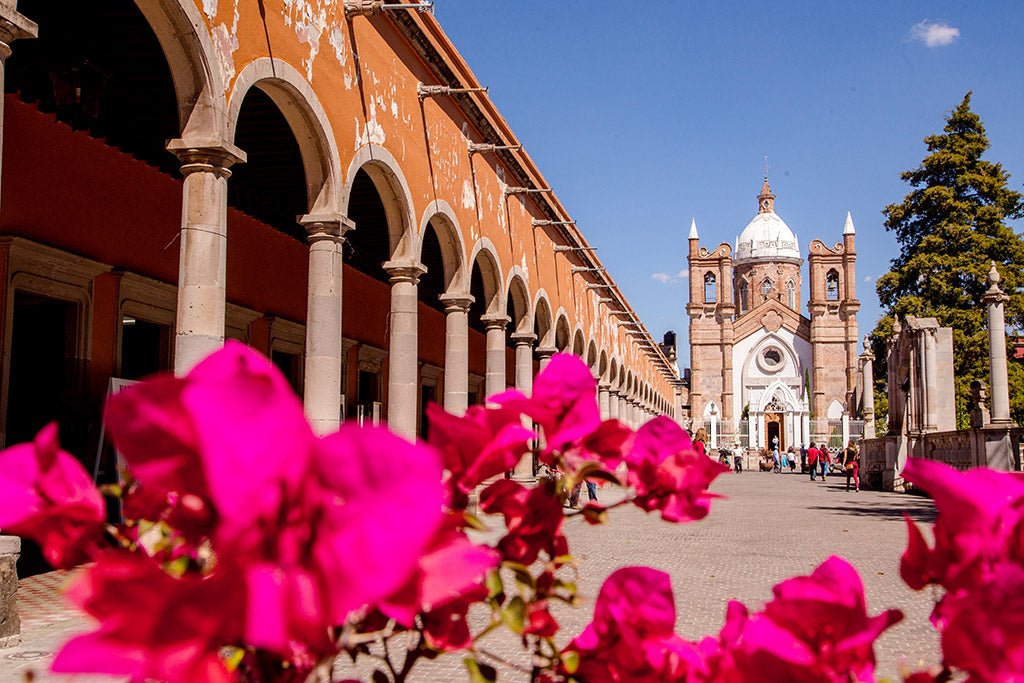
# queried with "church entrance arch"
point(774, 425)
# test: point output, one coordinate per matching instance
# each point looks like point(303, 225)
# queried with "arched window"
point(832, 286)
point(791, 294)
point(744, 296)
point(710, 293)
point(766, 287)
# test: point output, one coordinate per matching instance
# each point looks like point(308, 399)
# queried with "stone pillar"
point(623, 410)
point(524, 361)
point(403, 351)
point(867, 409)
point(494, 377)
point(613, 404)
point(931, 381)
point(322, 384)
point(603, 401)
point(456, 352)
point(202, 263)
point(10, 622)
point(999, 392)
point(544, 354)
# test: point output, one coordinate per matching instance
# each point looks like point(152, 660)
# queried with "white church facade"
point(761, 370)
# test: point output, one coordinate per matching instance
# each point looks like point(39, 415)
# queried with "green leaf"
point(571, 661)
point(514, 615)
point(474, 522)
point(480, 673)
point(595, 515)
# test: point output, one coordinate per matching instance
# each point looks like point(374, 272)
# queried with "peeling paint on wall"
point(468, 200)
point(210, 9)
point(372, 132)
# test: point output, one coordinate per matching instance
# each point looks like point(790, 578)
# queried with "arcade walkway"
point(767, 528)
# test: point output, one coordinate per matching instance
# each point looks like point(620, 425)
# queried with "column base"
point(10, 621)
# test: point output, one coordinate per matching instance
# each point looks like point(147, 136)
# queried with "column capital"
point(456, 303)
point(546, 351)
point(612, 391)
point(326, 226)
point(523, 338)
point(206, 155)
point(14, 26)
point(405, 271)
point(495, 321)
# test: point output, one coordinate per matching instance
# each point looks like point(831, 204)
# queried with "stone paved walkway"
point(768, 527)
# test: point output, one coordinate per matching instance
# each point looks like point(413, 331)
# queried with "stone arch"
point(578, 345)
point(195, 69)
point(592, 360)
point(518, 296)
point(542, 322)
point(389, 180)
point(440, 218)
point(299, 105)
point(485, 256)
point(563, 333)
point(779, 390)
point(613, 373)
point(770, 339)
point(602, 365)
point(835, 410)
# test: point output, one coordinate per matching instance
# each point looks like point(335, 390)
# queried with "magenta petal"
point(451, 570)
point(94, 653)
point(384, 503)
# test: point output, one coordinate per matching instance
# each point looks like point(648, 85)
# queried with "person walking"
point(824, 459)
point(812, 459)
point(851, 466)
point(776, 462)
point(700, 441)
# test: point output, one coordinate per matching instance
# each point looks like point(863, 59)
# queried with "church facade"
point(761, 370)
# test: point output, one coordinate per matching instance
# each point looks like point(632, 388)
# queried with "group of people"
point(821, 460)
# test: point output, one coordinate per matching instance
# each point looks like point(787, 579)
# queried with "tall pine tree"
point(950, 228)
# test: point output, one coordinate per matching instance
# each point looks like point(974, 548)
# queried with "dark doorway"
point(290, 365)
point(145, 348)
point(773, 423)
point(45, 382)
point(428, 395)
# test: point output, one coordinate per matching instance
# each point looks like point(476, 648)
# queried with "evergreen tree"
point(950, 228)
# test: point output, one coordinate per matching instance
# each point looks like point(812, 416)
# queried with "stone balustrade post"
point(613, 404)
point(868, 382)
point(403, 351)
point(322, 379)
point(202, 263)
point(456, 352)
point(524, 361)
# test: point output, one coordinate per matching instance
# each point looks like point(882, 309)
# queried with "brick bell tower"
point(832, 308)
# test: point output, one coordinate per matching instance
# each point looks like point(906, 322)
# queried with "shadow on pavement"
point(918, 509)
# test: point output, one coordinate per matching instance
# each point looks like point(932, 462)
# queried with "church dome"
point(767, 237)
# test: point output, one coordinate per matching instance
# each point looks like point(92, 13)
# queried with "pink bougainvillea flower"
point(231, 432)
point(983, 628)
point(533, 520)
point(447, 570)
point(632, 637)
point(153, 626)
point(668, 474)
point(477, 446)
point(378, 498)
point(446, 628)
point(563, 402)
point(815, 629)
point(980, 515)
point(539, 621)
point(47, 495)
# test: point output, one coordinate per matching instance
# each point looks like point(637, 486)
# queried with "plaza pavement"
point(768, 527)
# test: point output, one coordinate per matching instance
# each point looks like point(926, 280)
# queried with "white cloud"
point(869, 278)
point(934, 33)
point(668, 279)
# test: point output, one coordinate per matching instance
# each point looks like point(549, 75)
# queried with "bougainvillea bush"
point(255, 550)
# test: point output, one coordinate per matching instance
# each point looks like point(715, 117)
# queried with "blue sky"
point(645, 114)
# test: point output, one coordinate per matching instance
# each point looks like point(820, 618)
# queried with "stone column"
point(868, 381)
point(613, 404)
point(202, 263)
point(999, 392)
point(322, 384)
point(524, 361)
point(603, 401)
point(494, 377)
point(544, 354)
point(931, 381)
point(456, 352)
point(403, 351)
